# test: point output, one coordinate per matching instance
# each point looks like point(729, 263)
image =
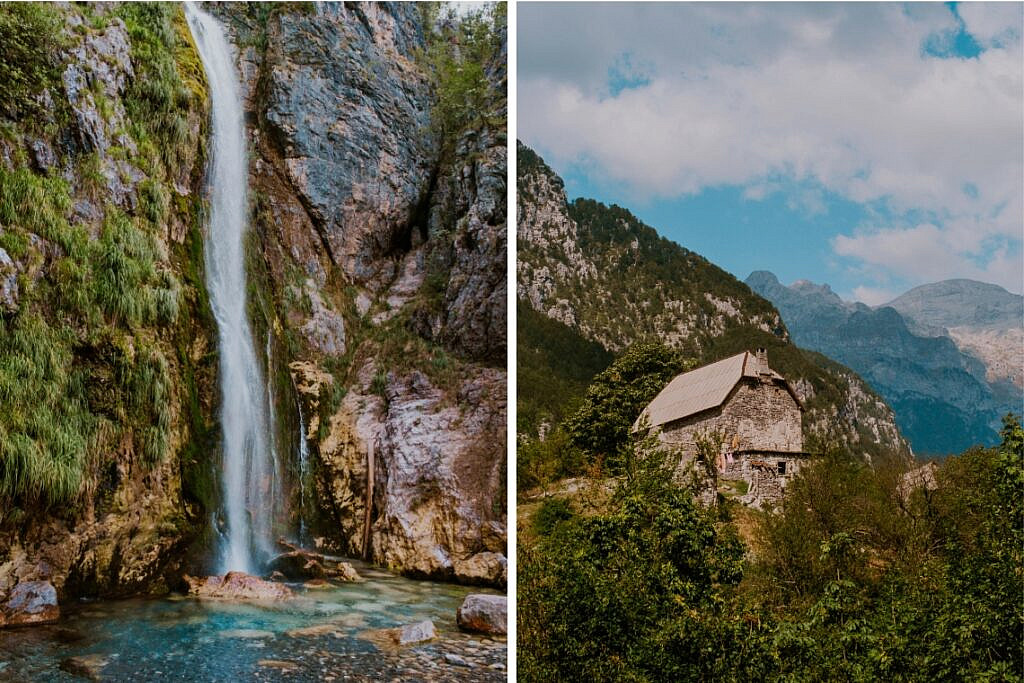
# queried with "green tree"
point(615, 398)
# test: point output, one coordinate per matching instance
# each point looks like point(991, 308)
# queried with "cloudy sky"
point(872, 146)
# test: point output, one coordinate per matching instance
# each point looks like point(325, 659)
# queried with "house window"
point(782, 467)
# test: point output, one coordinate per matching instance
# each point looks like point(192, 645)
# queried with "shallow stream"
point(319, 636)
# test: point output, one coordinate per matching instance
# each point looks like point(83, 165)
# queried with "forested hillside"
point(610, 279)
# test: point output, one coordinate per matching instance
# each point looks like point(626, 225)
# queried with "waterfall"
point(248, 466)
point(303, 474)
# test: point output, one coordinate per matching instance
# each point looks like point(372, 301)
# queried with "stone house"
point(741, 416)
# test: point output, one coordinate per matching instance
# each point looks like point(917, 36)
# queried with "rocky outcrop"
point(481, 613)
point(438, 498)
point(578, 260)
point(384, 248)
point(237, 586)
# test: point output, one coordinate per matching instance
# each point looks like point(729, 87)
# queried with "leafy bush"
point(634, 594)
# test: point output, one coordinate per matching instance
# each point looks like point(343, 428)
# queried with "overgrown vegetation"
point(103, 324)
point(30, 44)
point(860, 576)
point(460, 51)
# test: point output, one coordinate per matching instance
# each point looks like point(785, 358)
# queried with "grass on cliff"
point(30, 44)
point(86, 358)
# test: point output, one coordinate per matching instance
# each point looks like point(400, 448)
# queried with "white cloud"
point(829, 95)
point(992, 23)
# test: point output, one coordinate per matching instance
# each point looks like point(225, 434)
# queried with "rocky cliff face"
point(613, 280)
point(106, 363)
point(382, 240)
point(945, 399)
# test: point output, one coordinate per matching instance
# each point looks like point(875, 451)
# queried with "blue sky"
point(873, 146)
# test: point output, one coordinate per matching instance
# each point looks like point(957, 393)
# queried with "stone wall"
point(756, 416)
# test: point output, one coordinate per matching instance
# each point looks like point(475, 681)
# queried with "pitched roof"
point(704, 388)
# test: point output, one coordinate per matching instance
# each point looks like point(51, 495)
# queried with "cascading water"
point(249, 489)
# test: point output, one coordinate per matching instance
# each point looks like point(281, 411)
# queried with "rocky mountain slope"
point(983, 320)
point(611, 279)
point(381, 239)
point(944, 397)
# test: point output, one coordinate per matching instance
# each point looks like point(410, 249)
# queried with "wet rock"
point(482, 613)
point(298, 565)
point(314, 631)
point(89, 667)
point(246, 633)
point(278, 576)
point(31, 602)
point(487, 569)
point(419, 632)
point(316, 584)
point(237, 586)
point(456, 660)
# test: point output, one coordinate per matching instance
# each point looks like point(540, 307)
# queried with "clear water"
point(251, 481)
point(185, 639)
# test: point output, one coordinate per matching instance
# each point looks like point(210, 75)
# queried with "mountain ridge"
point(612, 279)
point(946, 397)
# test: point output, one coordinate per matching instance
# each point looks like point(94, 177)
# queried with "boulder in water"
point(483, 569)
point(30, 602)
point(483, 613)
point(298, 565)
point(237, 586)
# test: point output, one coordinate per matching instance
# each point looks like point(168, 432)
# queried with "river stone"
point(31, 602)
point(419, 632)
point(343, 571)
point(483, 613)
point(237, 586)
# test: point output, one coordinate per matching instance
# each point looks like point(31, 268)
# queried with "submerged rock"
point(89, 667)
point(481, 613)
point(343, 571)
point(30, 602)
point(237, 586)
